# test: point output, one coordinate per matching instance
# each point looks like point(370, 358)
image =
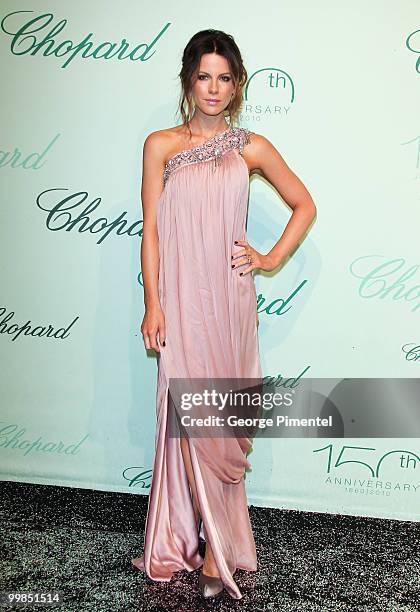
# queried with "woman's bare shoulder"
point(165, 141)
point(258, 148)
point(259, 144)
point(257, 138)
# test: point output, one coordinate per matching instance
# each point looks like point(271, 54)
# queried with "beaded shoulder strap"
point(214, 148)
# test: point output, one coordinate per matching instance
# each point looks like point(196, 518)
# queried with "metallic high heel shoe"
point(210, 586)
point(139, 563)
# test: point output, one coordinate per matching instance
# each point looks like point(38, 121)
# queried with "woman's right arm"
point(153, 325)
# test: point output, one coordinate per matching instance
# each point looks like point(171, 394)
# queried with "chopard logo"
point(13, 330)
point(277, 306)
point(71, 213)
point(36, 37)
point(412, 351)
point(282, 381)
point(14, 437)
point(138, 477)
point(386, 279)
point(27, 161)
point(413, 44)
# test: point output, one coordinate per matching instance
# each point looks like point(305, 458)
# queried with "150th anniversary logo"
point(362, 470)
point(269, 92)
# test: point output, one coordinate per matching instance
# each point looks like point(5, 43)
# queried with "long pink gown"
point(211, 332)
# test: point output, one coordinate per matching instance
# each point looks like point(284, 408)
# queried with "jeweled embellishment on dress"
point(214, 148)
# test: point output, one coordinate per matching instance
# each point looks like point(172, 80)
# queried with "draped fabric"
point(211, 332)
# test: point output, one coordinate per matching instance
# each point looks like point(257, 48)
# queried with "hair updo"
point(210, 41)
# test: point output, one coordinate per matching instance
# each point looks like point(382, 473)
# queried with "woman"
point(200, 307)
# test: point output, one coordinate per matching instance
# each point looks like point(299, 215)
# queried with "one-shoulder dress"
point(211, 332)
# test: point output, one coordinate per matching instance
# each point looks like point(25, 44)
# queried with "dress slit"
point(211, 332)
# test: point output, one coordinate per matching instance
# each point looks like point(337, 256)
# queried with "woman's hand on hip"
point(250, 258)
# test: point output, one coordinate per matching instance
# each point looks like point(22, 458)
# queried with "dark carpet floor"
point(80, 542)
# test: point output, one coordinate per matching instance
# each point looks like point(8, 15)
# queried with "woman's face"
point(214, 86)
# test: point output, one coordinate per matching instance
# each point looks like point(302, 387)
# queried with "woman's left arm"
point(261, 156)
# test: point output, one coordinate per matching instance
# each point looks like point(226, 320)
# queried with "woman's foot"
point(138, 562)
point(210, 586)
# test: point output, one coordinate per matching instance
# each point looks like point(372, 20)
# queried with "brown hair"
point(210, 41)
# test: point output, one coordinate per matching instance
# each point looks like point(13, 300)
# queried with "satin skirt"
point(211, 332)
